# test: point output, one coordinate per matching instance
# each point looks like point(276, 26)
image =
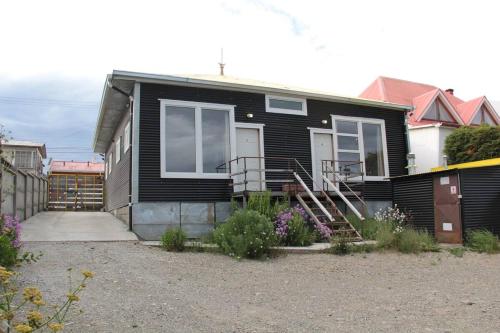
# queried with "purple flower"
point(11, 227)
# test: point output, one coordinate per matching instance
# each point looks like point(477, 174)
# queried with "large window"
point(196, 138)
point(361, 140)
point(288, 105)
point(437, 111)
point(23, 159)
point(483, 117)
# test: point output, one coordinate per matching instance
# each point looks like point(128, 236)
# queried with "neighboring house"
point(75, 185)
point(168, 141)
point(436, 114)
point(25, 155)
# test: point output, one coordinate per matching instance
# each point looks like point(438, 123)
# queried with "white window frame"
point(117, 149)
point(126, 137)
point(198, 138)
point(110, 162)
point(106, 166)
point(303, 112)
point(361, 147)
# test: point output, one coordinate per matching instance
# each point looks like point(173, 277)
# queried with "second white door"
point(323, 150)
point(248, 145)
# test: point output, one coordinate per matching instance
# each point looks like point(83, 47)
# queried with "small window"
point(483, 117)
point(118, 145)
point(126, 137)
point(110, 162)
point(23, 159)
point(287, 105)
point(106, 170)
point(437, 111)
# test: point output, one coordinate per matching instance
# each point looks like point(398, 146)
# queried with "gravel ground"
point(143, 289)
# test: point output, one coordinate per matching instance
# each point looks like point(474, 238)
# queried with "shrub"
point(173, 239)
point(11, 228)
point(397, 218)
point(340, 244)
point(482, 241)
point(262, 203)
point(299, 233)
point(8, 253)
point(367, 228)
point(247, 233)
point(385, 236)
point(468, 144)
point(415, 241)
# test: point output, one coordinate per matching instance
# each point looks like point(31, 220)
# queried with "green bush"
point(385, 236)
point(482, 241)
point(415, 241)
point(173, 239)
point(299, 233)
point(247, 233)
point(367, 228)
point(8, 253)
point(468, 144)
point(262, 203)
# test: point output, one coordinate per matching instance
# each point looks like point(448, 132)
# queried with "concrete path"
point(75, 226)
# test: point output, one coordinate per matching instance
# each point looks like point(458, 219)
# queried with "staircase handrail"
point(313, 197)
point(341, 195)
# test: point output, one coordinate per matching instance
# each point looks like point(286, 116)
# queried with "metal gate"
point(447, 218)
point(75, 192)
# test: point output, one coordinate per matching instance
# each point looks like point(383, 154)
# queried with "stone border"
point(314, 248)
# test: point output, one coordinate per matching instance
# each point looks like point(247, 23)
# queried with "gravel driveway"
point(142, 289)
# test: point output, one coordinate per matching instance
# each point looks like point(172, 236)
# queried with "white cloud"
point(332, 45)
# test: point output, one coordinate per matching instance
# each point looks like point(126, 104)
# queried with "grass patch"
point(368, 228)
point(173, 240)
point(457, 251)
point(482, 241)
point(415, 241)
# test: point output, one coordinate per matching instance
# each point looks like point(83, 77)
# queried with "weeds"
point(173, 239)
point(482, 241)
point(457, 251)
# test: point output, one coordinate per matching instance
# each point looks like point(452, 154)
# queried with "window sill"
point(189, 175)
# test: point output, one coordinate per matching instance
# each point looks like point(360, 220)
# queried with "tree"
point(469, 144)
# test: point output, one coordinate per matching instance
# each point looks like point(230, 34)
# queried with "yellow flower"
point(38, 301)
point(88, 274)
point(5, 274)
point(73, 297)
point(7, 316)
point(23, 328)
point(31, 294)
point(55, 327)
point(34, 316)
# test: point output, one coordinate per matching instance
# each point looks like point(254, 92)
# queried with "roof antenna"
point(221, 63)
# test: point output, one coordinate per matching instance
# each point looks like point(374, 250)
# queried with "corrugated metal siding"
point(481, 198)
point(284, 136)
point(416, 194)
point(116, 190)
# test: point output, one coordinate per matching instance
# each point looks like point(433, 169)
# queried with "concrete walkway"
point(74, 226)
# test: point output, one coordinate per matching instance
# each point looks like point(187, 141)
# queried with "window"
point(288, 105)
point(110, 162)
point(361, 140)
point(196, 138)
point(437, 111)
point(118, 144)
point(126, 137)
point(106, 170)
point(23, 159)
point(483, 117)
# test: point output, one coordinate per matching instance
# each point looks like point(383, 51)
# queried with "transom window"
point(437, 111)
point(196, 138)
point(483, 117)
point(361, 140)
point(288, 105)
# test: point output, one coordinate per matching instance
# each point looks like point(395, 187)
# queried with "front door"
point(323, 150)
point(447, 219)
point(248, 145)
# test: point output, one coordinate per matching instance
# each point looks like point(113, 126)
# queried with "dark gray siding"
point(117, 184)
point(415, 194)
point(481, 198)
point(284, 136)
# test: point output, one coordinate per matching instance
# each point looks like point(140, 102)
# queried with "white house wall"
point(425, 144)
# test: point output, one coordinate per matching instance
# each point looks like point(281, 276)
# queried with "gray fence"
point(22, 194)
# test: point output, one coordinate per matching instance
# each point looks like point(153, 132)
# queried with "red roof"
point(76, 167)
point(421, 96)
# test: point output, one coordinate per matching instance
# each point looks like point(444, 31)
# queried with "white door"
point(323, 150)
point(248, 145)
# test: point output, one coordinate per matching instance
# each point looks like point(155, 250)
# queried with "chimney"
point(450, 91)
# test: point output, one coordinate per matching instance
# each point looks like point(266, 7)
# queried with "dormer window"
point(437, 111)
point(483, 117)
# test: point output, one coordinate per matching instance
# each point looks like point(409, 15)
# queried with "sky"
point(55, 54)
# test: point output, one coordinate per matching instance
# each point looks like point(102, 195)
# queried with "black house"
point(177, 149)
